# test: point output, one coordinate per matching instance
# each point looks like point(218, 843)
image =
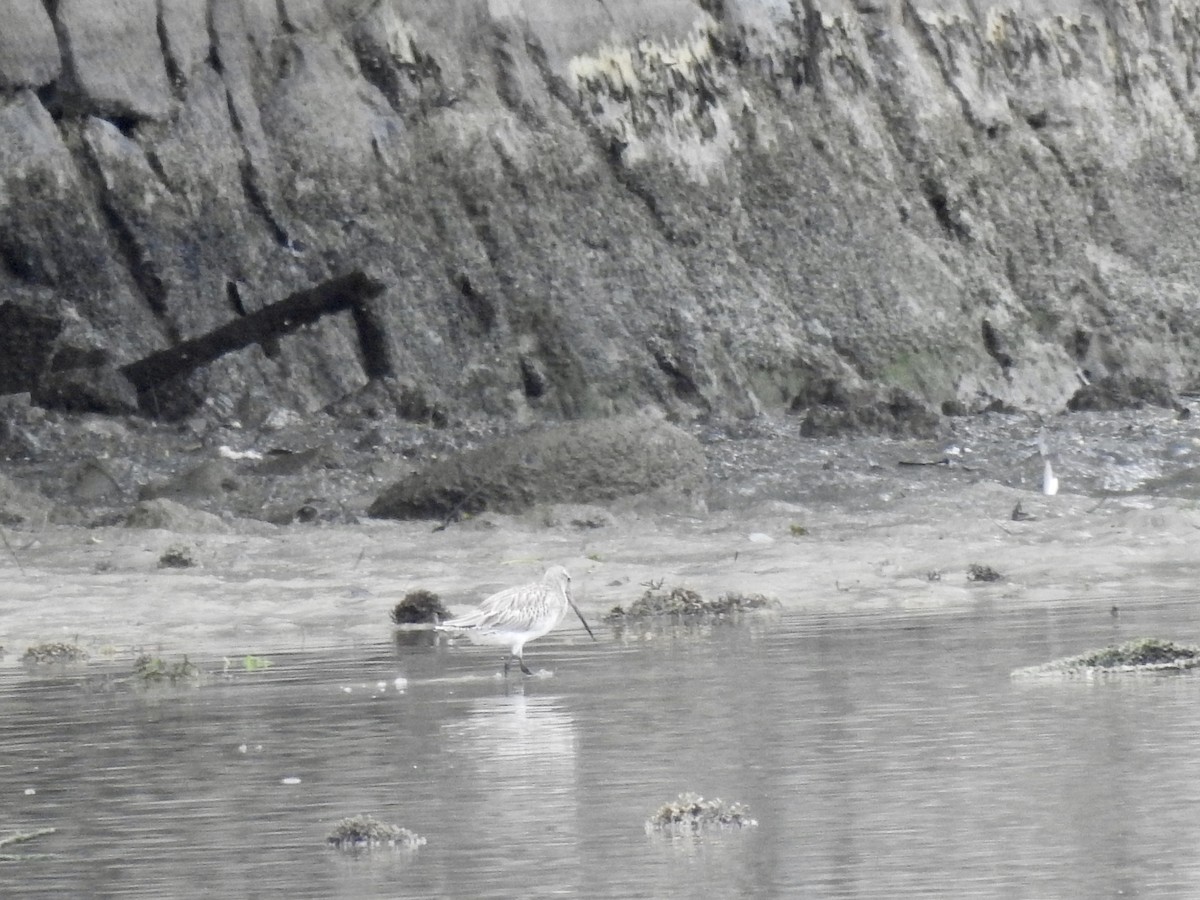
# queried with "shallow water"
point(883, 756)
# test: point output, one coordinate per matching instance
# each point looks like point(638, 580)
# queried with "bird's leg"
point(506, 662)
point(524, 668)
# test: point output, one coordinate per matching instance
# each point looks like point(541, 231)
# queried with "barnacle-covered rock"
point(365, 831)
point(691, 813)
point(1141, 655)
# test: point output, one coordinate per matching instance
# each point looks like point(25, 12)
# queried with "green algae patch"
point(691, 813)
point(363, 832)
point(680, 603)
point(249, 663)
point(1132, 657)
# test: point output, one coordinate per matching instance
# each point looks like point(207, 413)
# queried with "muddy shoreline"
point(824, 527)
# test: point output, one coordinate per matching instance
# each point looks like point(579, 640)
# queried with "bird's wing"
point(511, 607)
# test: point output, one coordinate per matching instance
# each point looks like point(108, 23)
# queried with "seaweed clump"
point(55, 652)
point(420, 607)
point(152, 670)
point(684, 603)
point(176, 557)
point(977, 572)
point(365, 831)
point(1141, 655)
point(692, 813)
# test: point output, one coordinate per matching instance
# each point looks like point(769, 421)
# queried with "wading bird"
point(517, 615)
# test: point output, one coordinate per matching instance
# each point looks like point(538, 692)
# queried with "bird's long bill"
point(581, 618)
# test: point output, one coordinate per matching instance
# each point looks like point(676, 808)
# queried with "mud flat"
point(305, 587)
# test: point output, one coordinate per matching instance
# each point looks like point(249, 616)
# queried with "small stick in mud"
point(22, 837)
point(11, 552)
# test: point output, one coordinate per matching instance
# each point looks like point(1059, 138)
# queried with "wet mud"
point(838, 524)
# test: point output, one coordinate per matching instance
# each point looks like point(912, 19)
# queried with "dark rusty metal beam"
point(301, 308)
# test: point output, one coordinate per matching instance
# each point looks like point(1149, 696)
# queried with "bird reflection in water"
point(516, 757)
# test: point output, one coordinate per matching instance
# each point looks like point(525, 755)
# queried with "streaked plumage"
point(515, 616)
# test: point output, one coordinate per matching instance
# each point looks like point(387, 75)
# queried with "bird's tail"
point(471, 620)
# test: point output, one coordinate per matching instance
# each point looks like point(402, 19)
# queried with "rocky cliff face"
point(582, 208)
